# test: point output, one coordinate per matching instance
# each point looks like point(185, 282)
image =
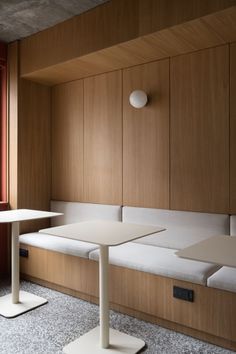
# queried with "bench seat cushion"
point(58, 244)
point(224, 279)
point(159, 261)
point(233, 225)
point(183, 228)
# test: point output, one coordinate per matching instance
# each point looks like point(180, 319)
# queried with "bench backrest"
point(77, 212)
point(233, 225)
point(183, 228)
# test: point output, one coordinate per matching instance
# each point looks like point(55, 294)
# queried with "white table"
point(104, 234)
point(18, 302)
point(219, 250)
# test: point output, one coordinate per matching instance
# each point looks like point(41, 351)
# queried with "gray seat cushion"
point(58, 244)
point(159, 261)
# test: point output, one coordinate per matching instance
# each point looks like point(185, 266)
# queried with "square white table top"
point(219, 250)
point(106, 233)
point(24, 214)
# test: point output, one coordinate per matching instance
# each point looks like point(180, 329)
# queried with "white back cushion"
point(77, 212)
point(233, 225)
point(183, 228)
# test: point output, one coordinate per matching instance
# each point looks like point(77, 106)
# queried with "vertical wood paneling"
point(67, 141)
point(29, 146)
point(233, 128)
point(34, 154)
point(13, 124)
point(3, 155)
point(146, 137)
point(103, 139)
point(3, 118)
point(200, 131)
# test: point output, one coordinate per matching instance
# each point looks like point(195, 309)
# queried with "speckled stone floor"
point(47, 329)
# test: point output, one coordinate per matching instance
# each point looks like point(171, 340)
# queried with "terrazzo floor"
point(47, 329)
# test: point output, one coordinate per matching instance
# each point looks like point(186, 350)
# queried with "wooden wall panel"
point(146, 137)
point(210, 31)
point(157, 14)
point(233, 128)
point(103, 139)
point(75, 272)
point(81, 35)
point(29, 151)
point(13, 124)
point(188, 37)
point(200, 131)
point(122, 21)
point(34, 150)
point(67, 141)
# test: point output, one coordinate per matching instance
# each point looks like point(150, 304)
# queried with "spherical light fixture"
point(138, 99)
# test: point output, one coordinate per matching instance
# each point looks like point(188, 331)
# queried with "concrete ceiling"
point(19, 19)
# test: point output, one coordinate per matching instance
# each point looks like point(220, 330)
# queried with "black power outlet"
point(24, 253)
point(183, 294)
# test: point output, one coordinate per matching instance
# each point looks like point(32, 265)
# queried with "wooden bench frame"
point(211, 317)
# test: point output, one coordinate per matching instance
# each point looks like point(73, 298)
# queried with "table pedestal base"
point(27, 302)
point(120, 343)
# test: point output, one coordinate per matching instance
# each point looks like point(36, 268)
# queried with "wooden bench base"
point(211, 317)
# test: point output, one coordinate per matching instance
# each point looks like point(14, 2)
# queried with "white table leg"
point(104, 296)
point(18, 302)
point(102, 339)
point(15, 281)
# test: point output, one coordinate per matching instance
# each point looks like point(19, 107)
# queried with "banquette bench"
point(143, 273)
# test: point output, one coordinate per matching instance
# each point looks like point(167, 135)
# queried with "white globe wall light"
point(138, 99)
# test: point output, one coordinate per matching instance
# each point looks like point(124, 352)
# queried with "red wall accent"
point(3, 157)
point(3, 244)
point(3, 51)
point(3, 129)
point(3, 121)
